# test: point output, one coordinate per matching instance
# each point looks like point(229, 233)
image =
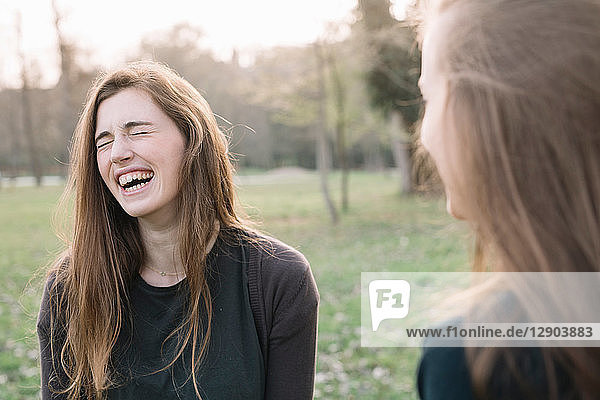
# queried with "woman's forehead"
point(437, 36)
point(128, 105)
point(430, 63)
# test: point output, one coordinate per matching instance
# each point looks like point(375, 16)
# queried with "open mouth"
point(135, 180)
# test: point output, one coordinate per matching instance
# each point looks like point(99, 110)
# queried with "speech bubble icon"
point(389, 299)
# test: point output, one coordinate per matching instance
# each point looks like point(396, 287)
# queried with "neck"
point(162, 265)
point(160, 245)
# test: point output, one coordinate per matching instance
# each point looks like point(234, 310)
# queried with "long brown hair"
point(105, 250)
point(523, 80)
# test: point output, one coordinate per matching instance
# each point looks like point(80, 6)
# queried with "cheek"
point(426, 136)
point(176, 158)
point(431, 139)
point(435, 137)
point(103, 165)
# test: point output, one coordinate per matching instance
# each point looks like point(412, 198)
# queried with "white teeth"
point(127, 178)
point(135, 187)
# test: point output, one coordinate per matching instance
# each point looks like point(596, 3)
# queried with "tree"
point(392, 80)
point(339, 94)
point(323, 153)
point(225, 85)
point(27, 116)
point(66, 89)
point(284, 82)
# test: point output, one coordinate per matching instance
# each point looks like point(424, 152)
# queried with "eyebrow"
point(126, 126)
point(132, 124)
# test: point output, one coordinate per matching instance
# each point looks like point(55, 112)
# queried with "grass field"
point(380, 232)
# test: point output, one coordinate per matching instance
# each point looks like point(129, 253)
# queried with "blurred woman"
point(163, 291)
point(512, 121)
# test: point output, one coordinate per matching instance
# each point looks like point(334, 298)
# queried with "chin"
point(135, 209)
point(132, 212)
point(141, 210)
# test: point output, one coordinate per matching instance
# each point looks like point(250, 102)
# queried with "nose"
point(121, 150)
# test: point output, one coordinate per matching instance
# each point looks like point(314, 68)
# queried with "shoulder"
point(443, 374)
point(284, 273)
point(53, 299)
point(278, 259)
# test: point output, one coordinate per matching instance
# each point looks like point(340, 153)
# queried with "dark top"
point(234, 350)
point(443, 374)
point(283, 300)
point(443, 371)
point(518, 373)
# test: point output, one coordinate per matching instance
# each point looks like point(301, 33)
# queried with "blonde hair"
point(523, 80)
point(105, 249)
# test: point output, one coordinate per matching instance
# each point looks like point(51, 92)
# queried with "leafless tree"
point(26, 114)
point(339, 93)
point(323, 153)
point(66, 90)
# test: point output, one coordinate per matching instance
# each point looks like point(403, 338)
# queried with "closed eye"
point(139, 133)
point(103, 144)
point(103, 139)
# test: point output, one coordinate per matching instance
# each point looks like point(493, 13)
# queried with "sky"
point(108, 31)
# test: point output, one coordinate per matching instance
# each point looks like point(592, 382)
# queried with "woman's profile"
point(512, 91)
point(163, 292)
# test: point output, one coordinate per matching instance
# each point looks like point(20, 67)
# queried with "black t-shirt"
point(233, 367)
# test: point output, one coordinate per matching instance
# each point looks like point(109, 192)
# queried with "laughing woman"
point(163, 292)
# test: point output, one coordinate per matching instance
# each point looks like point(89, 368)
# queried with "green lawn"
point(380, 232)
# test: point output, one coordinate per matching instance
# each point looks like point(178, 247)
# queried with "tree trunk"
point(36, 168)
point(68, 106)
point(323, 153)
point(14, 124)
point(340, 127)
point(400, 150)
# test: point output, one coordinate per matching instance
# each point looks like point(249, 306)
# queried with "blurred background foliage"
point(364, 80)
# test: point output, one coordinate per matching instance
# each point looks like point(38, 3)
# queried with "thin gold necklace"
point(163, 273)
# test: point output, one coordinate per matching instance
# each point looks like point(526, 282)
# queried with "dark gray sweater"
point(284, 301)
